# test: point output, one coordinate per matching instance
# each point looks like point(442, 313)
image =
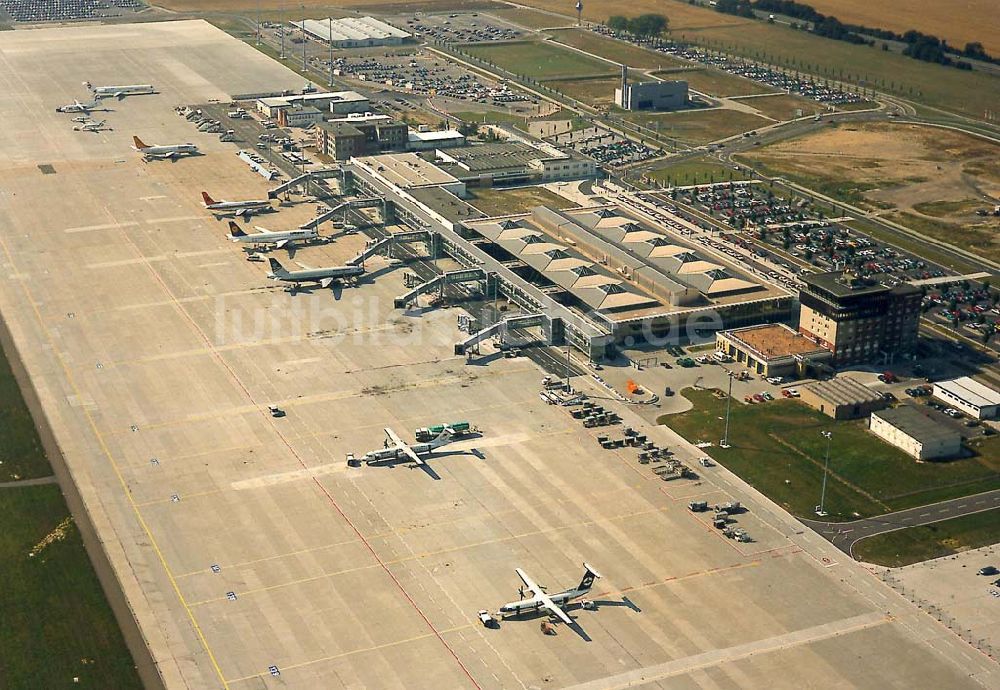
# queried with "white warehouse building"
point(354, 32)
point(915, 434)
point(969, 396)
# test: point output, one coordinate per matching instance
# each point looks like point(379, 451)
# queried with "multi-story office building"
point(859, 319)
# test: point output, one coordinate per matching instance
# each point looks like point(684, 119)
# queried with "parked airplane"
point(264, 236)
point(554, 602)
point(235, 208)
point(91, 126)
point(162, 151)
point(324, 277)
point(78, 107)
point(394, 449)
point(118, 91)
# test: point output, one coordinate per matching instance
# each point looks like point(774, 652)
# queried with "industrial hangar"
point(247, 553)
point(354, 32)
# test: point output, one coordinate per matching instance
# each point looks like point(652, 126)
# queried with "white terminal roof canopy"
point(351, 29)
point(972, 391)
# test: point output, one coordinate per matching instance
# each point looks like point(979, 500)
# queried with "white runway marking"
point(174, 219)
point(107, 226)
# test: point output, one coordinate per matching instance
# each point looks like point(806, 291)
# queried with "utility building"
point(969, 396)
point(842, 398)
point(651, 95)
point(916, 434)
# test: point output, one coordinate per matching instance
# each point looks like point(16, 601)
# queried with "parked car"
point(988, 570)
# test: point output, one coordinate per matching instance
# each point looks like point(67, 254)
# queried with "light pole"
point(331, 55)
point(304, 40)
point(283, 30)
point(729, 404)
point(820, 511)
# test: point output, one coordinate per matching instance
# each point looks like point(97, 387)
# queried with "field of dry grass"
point(781, 106)
point(698, 126)
point(958, 22)
point(930, 179)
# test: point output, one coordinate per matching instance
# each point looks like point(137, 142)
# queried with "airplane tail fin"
point(138, 144)
point(208, 200)
point(589, 575)
point(87, 85)
point(236, 231)
point(276, 267)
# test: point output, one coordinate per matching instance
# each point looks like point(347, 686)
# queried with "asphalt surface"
point(844, 535)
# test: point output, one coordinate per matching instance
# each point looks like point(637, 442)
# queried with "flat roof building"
point(842, 397)
point(409, 171)
point(299, 115)
point(772, 349)
point(916, 434)
point(429, 141)
point(340, 102)
point(967, 395)
point(514, 161)
point(354, 32)
point(859, 319)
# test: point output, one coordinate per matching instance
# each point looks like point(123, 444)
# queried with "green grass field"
point(968, 93)
point(619, 51)
point(21, 453)
point(696, 172)
point(697, 126)
point(57, 625)
point(539, 60)
point(783, 107)
point(916, 544)
point(778, 448)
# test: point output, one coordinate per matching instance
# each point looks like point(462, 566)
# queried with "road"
point(844, 535)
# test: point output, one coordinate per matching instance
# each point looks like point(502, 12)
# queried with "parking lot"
point(604, 146)
point(28, 11)
point(465, 27)
point(819, 91)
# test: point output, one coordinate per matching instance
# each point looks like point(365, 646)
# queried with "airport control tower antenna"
point(579, 13)
point(281, 7)
point(330, 29)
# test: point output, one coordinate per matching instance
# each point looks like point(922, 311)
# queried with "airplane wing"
point(402, 446)
point(327, 282)
point(543, 597)
point(281, 243)
point(263, 231)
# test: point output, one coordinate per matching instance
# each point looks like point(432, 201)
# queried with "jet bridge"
point(291, 184)
point(465, 275)
point(388, 242)
point(342, 208)
point(502, 327)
